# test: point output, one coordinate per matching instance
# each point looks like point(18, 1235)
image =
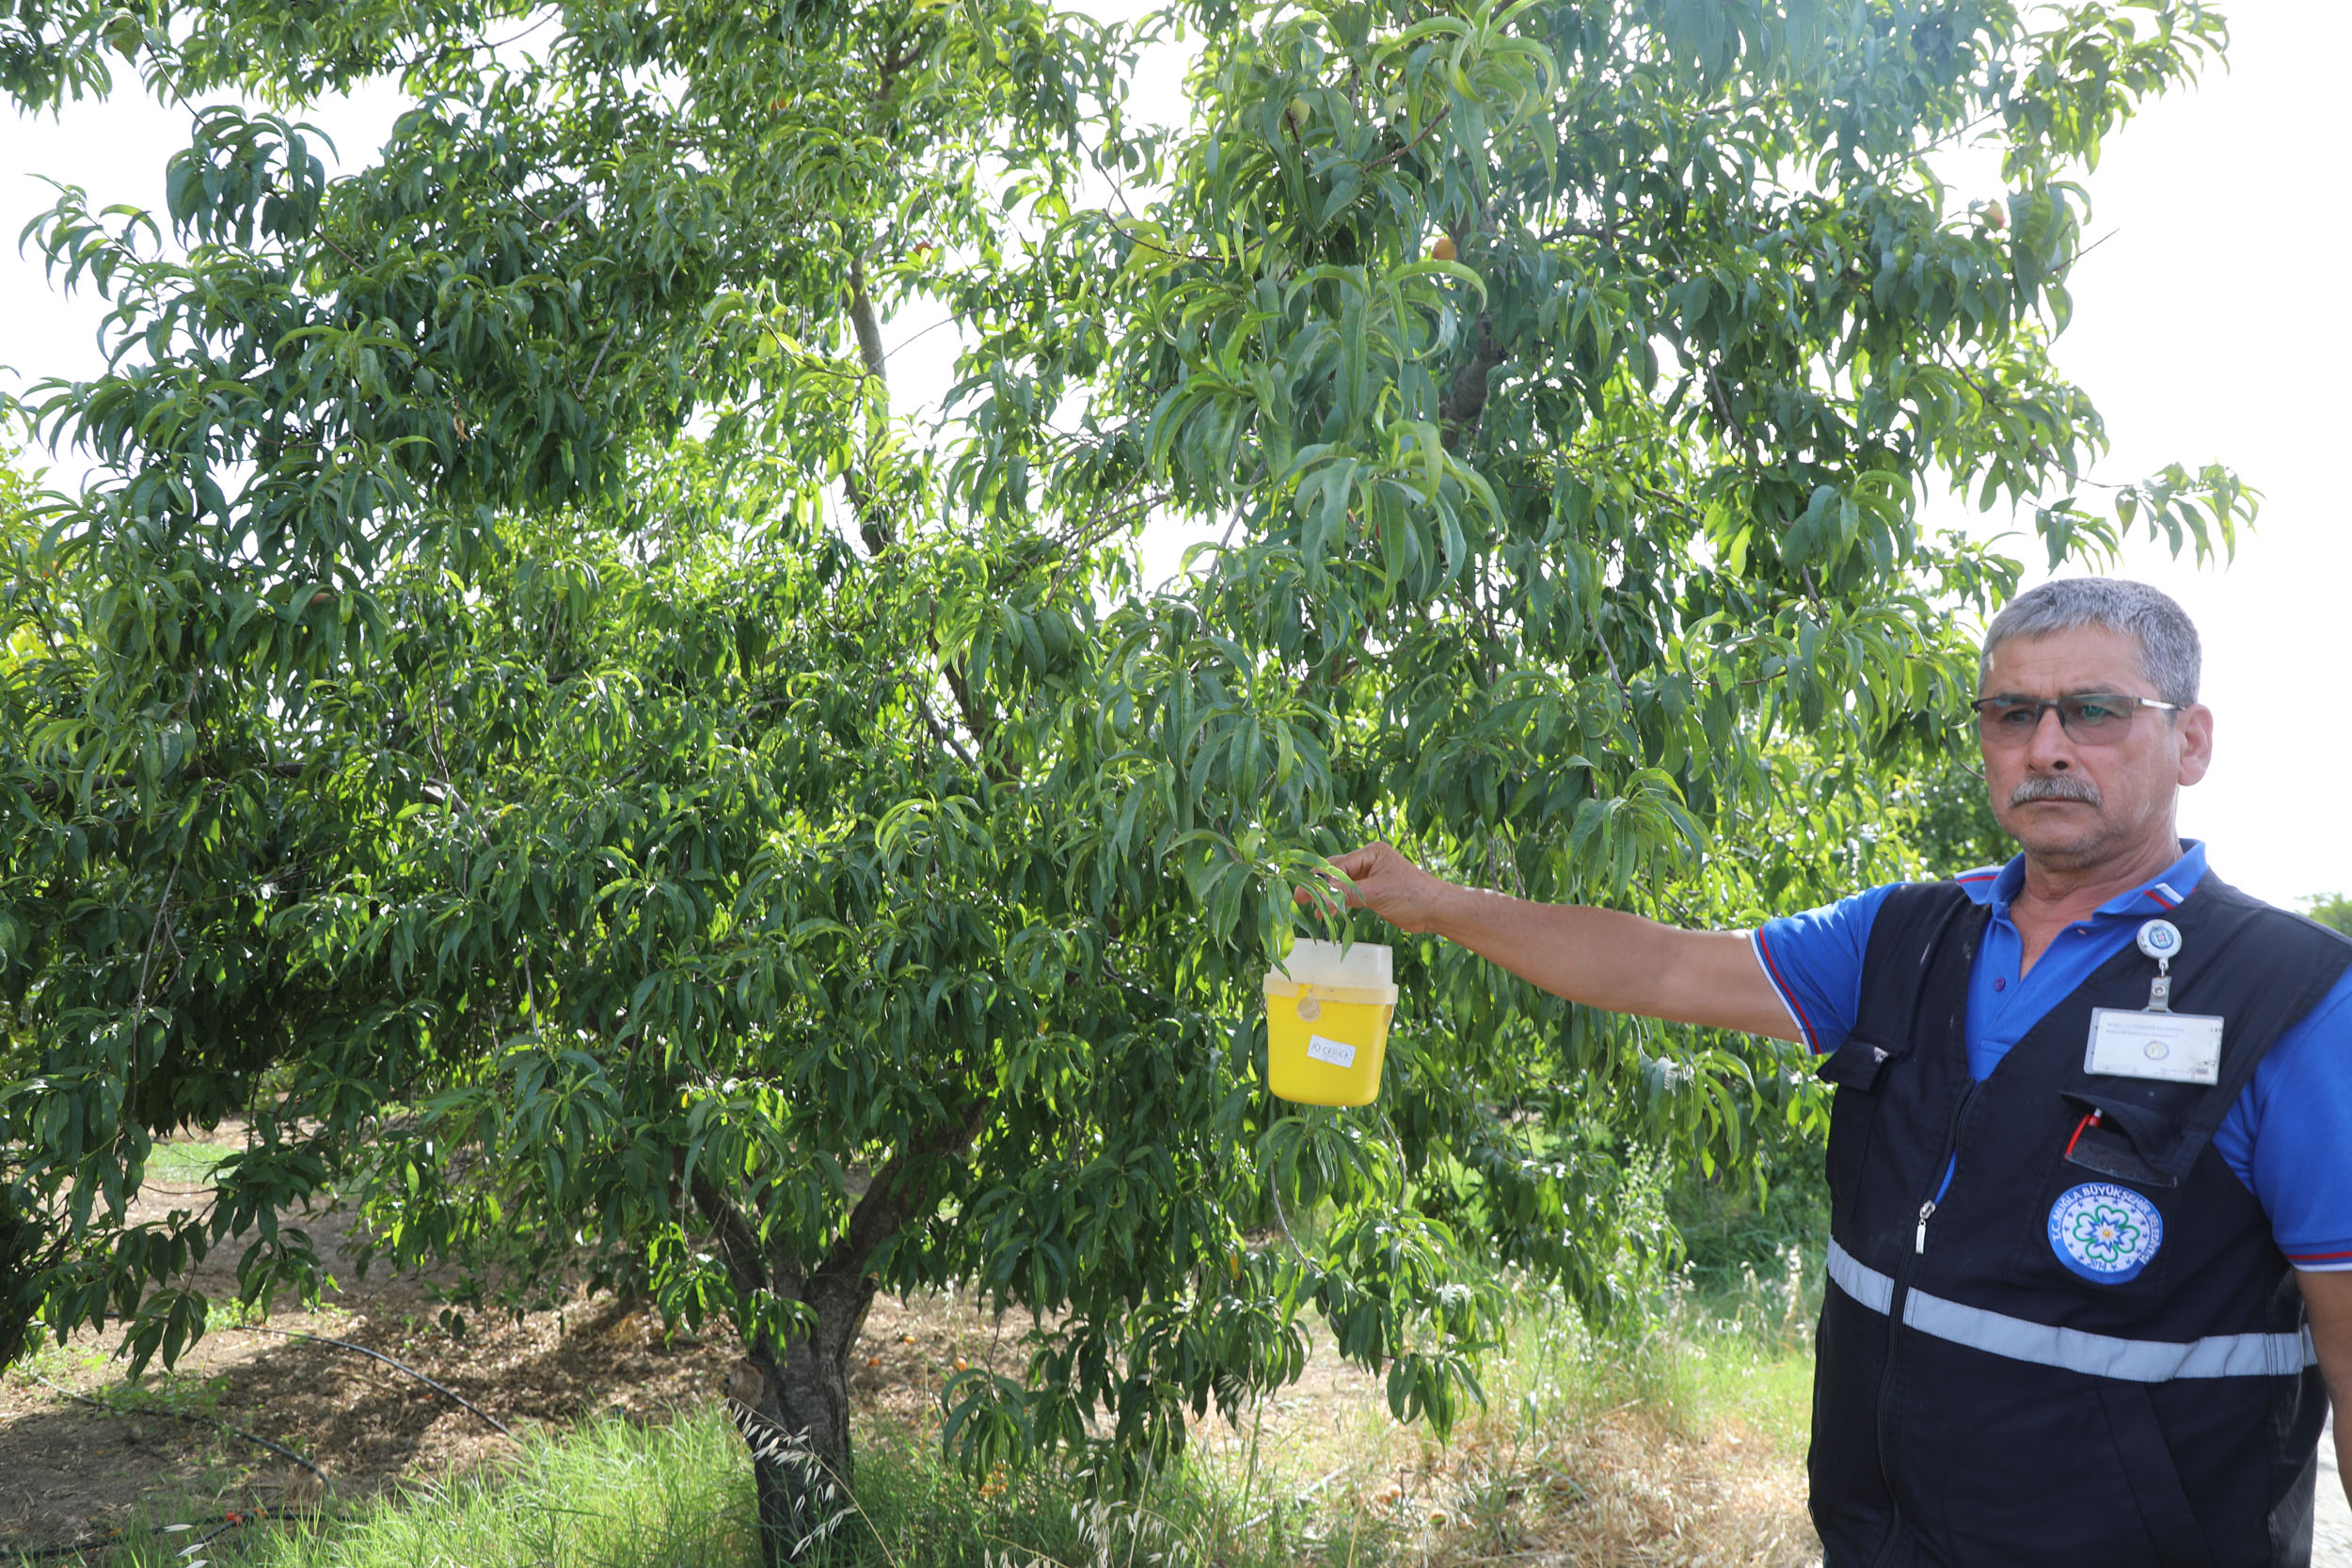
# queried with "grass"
point(913, 1508)
point(1677, 1442)
point(615, 1495)
point(1741, 1315)
point(604, 1491)
point(184, 1162)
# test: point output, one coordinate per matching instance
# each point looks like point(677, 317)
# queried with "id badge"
point(2178, 1047)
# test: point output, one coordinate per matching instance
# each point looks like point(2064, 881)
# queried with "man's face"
point(2075, 806)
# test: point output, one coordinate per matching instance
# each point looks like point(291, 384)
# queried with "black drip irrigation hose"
point(277, 1448)
point(496, 1425)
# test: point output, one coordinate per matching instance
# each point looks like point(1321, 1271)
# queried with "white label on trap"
point(1331, 1051)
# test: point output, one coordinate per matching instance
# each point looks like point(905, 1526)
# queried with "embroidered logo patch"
point(2104, 1232)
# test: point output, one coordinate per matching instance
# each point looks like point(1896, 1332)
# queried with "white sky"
point(2208, 327)
point(2202, 335)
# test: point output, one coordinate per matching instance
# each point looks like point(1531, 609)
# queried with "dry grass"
point(1686, 1447)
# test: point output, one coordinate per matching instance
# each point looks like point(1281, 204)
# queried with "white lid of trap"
point(1321, 963)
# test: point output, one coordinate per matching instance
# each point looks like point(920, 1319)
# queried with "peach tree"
point(523, 725)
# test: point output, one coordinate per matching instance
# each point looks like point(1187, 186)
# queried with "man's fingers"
point(1352, 864)
point(1353, 900)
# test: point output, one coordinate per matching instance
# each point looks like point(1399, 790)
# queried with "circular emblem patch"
point(2104, 1232)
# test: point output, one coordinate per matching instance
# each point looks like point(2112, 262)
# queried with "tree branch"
point(897, 1189)
point(973, 719)
point(747, 1265)
point(1434, 120)
point(163, 913)
point(866, 324)
point(940, 732)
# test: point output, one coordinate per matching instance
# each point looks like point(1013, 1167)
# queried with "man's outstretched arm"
point(1601, 957)
point(2328, 1295)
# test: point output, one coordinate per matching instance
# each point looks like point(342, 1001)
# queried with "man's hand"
point(1393, 888)
point(1599, 957)
point(2328, 1294)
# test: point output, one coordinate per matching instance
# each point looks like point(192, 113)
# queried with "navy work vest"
point(1976, 1399)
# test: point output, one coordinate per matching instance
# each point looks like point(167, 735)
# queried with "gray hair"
point(2169, 653)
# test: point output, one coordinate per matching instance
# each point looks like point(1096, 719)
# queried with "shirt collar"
point(2159, 894)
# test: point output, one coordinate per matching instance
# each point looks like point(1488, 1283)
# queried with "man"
point(2090, 1155)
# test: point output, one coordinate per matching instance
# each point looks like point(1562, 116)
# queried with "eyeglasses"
point(2093, 718)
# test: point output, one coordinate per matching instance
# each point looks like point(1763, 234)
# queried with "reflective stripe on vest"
point(2098, 1354)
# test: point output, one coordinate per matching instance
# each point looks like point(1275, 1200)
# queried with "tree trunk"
point(24, 1264)
point(791, 1399)
point(792, 1404)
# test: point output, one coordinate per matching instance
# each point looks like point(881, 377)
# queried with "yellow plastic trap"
point(1326, 1024)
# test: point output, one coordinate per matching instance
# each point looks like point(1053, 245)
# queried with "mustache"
point(2054, 786)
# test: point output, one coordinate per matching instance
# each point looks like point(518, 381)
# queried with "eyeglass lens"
point(2092, 720)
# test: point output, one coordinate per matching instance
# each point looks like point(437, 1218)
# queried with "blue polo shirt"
point(2289, 1137)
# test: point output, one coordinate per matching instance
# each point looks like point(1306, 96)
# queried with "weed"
point(604, 1492)
point(185, 1163)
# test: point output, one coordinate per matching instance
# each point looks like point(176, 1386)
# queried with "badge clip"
point(2160, 939)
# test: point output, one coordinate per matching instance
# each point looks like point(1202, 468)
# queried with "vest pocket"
point(2024, 1466)
point(1858, 1069)
point(2154, 1480)
point(2118, 1138)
